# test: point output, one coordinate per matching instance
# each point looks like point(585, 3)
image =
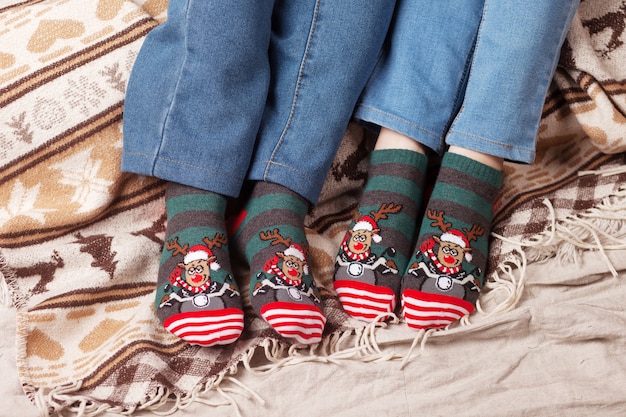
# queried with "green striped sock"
point(375, 250)
point(446, 272)
point(282, 289)
point(197, 298)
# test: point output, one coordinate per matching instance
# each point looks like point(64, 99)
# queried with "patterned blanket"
point(80, 241)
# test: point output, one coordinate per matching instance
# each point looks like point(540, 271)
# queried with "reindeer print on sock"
point(197, 297)
point(444, 277)
point(200, 303)
point(190, 285)
point(284, 294)
point(356, 260)
point(439, 262)
point(284, 274)
point(367, 280)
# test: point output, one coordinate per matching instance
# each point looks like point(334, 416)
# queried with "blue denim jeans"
point(471, 73)
point(228, 91)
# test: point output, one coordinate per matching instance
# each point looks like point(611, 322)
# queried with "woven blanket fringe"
point(601, 228)
point(225, 389)
point(502, 292)
point(352, 344)
point(65, 400)
point(359, 344)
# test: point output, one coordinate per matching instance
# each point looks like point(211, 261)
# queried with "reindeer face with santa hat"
point(198, 261)
point(454, 245)
point(292, 260)
point(453, 248)
point(197, 265)
point(363, 233)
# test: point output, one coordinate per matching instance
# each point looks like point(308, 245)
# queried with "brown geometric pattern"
point(80, 241)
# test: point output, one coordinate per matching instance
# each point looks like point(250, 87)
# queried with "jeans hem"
point(182, 173)
point(490, 147)
point(292, 178)
point(373, 115)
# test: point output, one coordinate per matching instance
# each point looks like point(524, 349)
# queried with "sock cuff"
point(474, 168)
point(399, 156)
point(195, 202)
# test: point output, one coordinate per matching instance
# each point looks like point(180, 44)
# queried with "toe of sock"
point(207, 327)
point(365, 302)
point(423, 310)
point(301, 322)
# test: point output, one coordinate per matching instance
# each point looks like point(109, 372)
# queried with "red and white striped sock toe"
point(365, 302)
point(423, 310)
point(207, 327)
point(302, 322)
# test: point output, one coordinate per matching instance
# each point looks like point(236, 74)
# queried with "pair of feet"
point(435, 270)
point(198, 299)
point(437, 279)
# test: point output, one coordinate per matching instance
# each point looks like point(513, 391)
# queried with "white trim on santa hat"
point(200, 253)
point(295, 250)
point(195, 255)
point(454, 236)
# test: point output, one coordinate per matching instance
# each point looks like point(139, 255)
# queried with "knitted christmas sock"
point(282, 290)
point(446, 272)
point(376, 248)
point(197, 298)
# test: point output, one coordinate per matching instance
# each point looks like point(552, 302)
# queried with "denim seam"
point(564, 32)
point(160, 158)
point(171, 104)
point(297, 90)
point(459, 98)
point(403, 121)
point(467, 76)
